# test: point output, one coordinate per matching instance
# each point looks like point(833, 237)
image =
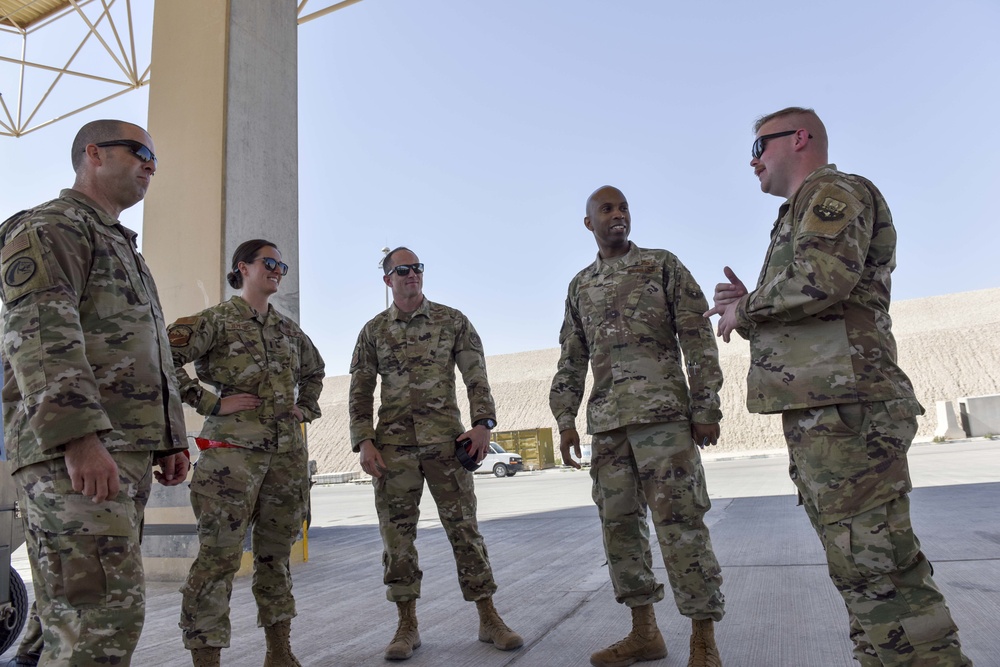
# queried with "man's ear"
point(587, 223)
point(92, 153)
point(386, 280)
point(802, 138)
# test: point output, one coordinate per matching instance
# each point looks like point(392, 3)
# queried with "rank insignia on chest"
point(830, 210)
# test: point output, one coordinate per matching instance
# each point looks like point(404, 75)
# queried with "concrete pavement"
point(544, 541)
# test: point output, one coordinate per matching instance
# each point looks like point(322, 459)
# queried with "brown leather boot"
point(644, 642)
point(406, 639)
point(493, 630)
point(704, 652)
point(279, 645)
point(206, 657)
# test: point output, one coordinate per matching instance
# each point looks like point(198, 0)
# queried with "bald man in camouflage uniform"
point(414, 347)
point(90, 400)
point(823, 355)
point(630, 314)
point(266, 377)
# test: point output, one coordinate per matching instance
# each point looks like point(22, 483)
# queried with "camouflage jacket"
point(415, 355)
point(818, 321)
point(85, 348)
point(237, 351)
point(631, 317)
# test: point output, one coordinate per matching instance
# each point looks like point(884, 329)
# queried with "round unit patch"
point(19, 271)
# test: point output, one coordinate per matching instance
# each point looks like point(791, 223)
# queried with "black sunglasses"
point(137, 149)
point(271, 264)
point(760, 145)
point(404, 269)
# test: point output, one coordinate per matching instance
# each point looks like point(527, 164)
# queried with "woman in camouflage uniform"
point(253, 469)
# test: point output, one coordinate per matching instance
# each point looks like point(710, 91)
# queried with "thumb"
point(732, 277)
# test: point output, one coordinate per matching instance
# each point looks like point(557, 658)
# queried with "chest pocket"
point(634, 295)
point(287, 348)
point(780, 254)
point(115, 283)
point(241, 363)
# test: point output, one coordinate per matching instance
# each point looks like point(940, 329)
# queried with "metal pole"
point(385, 253)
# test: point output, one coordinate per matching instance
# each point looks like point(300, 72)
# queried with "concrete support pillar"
point(223, 114)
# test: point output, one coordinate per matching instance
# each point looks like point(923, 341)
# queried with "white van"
point(500, 462)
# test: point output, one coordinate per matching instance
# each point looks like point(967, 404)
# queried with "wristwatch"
point(487, 422)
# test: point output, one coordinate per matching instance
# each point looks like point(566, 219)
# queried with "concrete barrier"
point(336, 477)
point(980, 415)
point(947, 422)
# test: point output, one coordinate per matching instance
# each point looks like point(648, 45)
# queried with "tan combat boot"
point(279, 645)
point(206, 657)
point(406, 638)
point(644, 642)
point(704, 652)
point(493, 630)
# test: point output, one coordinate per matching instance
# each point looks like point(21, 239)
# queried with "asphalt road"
point(966, 462)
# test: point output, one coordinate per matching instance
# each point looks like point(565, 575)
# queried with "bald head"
point(601, 194)
point(95, 132)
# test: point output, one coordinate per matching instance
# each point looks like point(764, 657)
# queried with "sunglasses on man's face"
point(271, 264)
point(760, 144)
point(404, 269)
point(135, 148)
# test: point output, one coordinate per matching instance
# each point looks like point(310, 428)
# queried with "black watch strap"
point(487, 422)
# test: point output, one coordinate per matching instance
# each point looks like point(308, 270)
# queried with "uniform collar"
point(423, 309)
point(248, 313)
point(825, 170)
point(106, 220)
point(615, 263)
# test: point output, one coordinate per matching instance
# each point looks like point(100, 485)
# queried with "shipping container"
point(534, 445)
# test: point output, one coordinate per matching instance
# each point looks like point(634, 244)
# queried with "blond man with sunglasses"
point(414, 346)
point(822, 354)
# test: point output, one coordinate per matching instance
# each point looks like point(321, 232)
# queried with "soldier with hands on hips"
point(90, 400)
point(252, 472)
point(414, 347)
point(822, 355)
point(630, 315)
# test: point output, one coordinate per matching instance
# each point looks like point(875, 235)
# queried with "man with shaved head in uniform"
point(630, 315)
point(90, 400)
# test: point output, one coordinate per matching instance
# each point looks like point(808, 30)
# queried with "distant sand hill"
point(948, 345)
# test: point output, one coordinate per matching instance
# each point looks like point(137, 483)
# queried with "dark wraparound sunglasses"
point(271, 264)
point(404, 269)
point(137, 149)
point(760, 145)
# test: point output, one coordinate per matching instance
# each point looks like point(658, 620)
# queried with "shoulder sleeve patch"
point(188, 320)
point(829, 211)
point(179, 334)
point(22, 267)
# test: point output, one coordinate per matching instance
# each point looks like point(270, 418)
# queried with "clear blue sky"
point(473, 132)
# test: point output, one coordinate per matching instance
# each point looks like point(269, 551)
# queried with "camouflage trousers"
point(231, 490)
point(849, 464)
point(31, 640)
point(397, 501)
point(85, 562)
point(656, 466)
